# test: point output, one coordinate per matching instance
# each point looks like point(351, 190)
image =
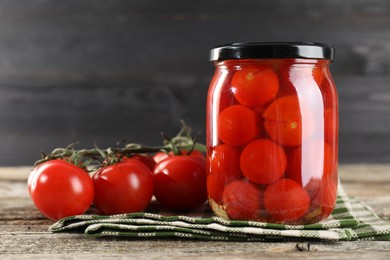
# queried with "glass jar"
point(272, 132)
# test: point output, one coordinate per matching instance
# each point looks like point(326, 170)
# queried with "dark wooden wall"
point(103, 70)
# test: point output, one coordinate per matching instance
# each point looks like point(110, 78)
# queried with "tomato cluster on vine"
point(120, 180)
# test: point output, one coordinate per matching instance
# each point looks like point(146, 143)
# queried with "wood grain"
point(24, 235)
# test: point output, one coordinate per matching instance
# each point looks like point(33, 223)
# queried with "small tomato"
point(60, 189)
point(180, 182)
point(255, 86)
point(238, 125)
point(124, 187)
point(286, 201)
point(242, 200)
point(288, 121)
point(263, 161)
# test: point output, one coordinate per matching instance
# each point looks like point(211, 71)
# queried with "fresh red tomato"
point(255, 86)
point(242, 200)
point(288, 121)
point(286, 200)
point(124, 187)
point(263, 161)
point(197, 155)
point(31, 176)
point(194, 153)
point(180, 182)
point(160, 156)
point(238, 125)
point(60, 189)
point(145, 159)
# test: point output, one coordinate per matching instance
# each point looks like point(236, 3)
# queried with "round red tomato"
point(225, 163)
point(288, 121)
point(255, 86)
point(60, 189)
point(145, 159)
point(160, 156)
point(124, 187)
point(263, 161)
point(314, 159)
point(286, 200)
point(180, 182)
point(238, 125)
point(31, 176)
point(242, 200)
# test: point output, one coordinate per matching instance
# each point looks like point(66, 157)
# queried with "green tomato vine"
point(94, 158)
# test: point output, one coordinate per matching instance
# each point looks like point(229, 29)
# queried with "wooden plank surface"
point(96, 70)
point(24, 235)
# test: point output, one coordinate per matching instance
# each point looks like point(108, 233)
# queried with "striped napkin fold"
point(350, 220)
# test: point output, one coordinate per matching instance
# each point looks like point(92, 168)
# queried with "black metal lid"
point(272, 50)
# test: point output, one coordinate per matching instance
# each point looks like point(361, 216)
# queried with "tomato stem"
point(92, 159)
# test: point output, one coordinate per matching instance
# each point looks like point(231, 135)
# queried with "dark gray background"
point(104, 70)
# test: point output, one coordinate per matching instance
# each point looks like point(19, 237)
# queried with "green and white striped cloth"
point(350, 220)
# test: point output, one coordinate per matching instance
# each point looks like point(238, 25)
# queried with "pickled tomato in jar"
point(272, 132)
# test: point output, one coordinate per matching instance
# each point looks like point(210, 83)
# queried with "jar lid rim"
point(272, 50)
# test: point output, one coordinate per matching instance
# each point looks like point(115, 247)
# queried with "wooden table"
point(23, 230)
